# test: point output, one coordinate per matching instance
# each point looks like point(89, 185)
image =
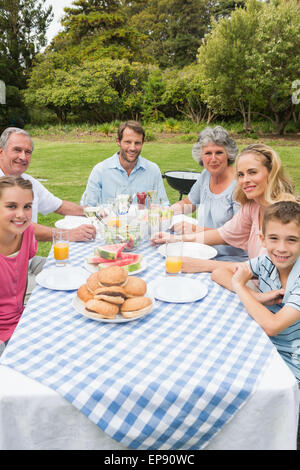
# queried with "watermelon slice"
point(97, 260)
point(110, 252)
point(131, 263)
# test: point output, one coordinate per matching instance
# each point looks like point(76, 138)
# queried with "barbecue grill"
point(182, 181)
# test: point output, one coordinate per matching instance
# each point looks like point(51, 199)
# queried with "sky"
point(58, 10)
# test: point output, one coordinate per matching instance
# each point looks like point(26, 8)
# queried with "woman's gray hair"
point(12, 130)
point(218, 136)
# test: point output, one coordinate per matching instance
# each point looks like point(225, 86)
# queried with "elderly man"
point(126, 171)
point(16, 148)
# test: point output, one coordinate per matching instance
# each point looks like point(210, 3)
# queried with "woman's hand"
point(196, 265)
point(184, 227)
point(177, 208)
point(162, 237)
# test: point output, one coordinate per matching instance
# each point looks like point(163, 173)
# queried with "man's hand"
point(83, 233)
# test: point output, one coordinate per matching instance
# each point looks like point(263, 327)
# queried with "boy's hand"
point(241, 276)
point(270, 298)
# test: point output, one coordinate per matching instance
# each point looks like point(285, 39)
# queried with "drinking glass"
point(153, 220)
point(141, 199)
point(152, 196)
point(173, 258)
point(166, 216)
point(61, 247)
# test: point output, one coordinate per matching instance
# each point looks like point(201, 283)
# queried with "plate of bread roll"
point(111, 295)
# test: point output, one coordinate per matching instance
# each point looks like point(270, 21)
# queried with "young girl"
point(17, 246)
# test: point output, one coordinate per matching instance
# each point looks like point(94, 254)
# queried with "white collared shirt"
point(109, 177)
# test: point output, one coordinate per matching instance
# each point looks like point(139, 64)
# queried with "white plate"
point(78, 305)
point(62, 277)
point(191, 250)
point(93, 268)
point(72, 221)
point(177, 289)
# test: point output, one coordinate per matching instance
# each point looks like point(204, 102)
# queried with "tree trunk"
point(210, 116)
point(61, 114)
point(246, 116)
point(282, 119)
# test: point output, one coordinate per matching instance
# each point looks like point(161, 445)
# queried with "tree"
point(276, 59)
point(97, 29)
point(152, 97)
point(224, 63)
point(23, 26)
point(174, 28)
point(91, 65)
point(249, 61)
point(104, 89)
point(183, 91)
point(225, 8)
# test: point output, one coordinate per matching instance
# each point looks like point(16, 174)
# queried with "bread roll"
point(92, 282)
point(135, 287)
point(102, 308)
point(84, 294)
point(136, 306)
point(112, 276)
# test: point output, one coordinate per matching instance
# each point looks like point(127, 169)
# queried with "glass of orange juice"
point(61, 247)
point(173, 258)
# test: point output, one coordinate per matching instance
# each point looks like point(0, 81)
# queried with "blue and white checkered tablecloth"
point(171, 380)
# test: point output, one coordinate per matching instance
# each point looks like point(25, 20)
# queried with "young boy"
point(278, 274)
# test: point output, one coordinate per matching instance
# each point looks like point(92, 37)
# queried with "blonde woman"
point(261, 182)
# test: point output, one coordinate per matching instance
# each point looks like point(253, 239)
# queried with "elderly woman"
point(212, 193)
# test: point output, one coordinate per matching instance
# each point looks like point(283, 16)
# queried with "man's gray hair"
point(12, 130)
point(218, 136)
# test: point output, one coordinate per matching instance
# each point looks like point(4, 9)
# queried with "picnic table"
point(187, 376)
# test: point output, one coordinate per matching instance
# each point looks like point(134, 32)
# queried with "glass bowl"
point(129, 234)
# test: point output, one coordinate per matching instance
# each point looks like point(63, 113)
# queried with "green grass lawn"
point(64, 166)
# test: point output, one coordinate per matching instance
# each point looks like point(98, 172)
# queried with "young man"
point(126, 171)
point(278, 274)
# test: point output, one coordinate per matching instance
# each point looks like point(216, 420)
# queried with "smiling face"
point(15, 158)
point(252, 177)
point(214, 158)
point(15, 209)
point(282, 242)
point(130, 147)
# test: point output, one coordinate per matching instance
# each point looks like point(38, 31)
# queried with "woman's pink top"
point(13, 282)
point(243, 231)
